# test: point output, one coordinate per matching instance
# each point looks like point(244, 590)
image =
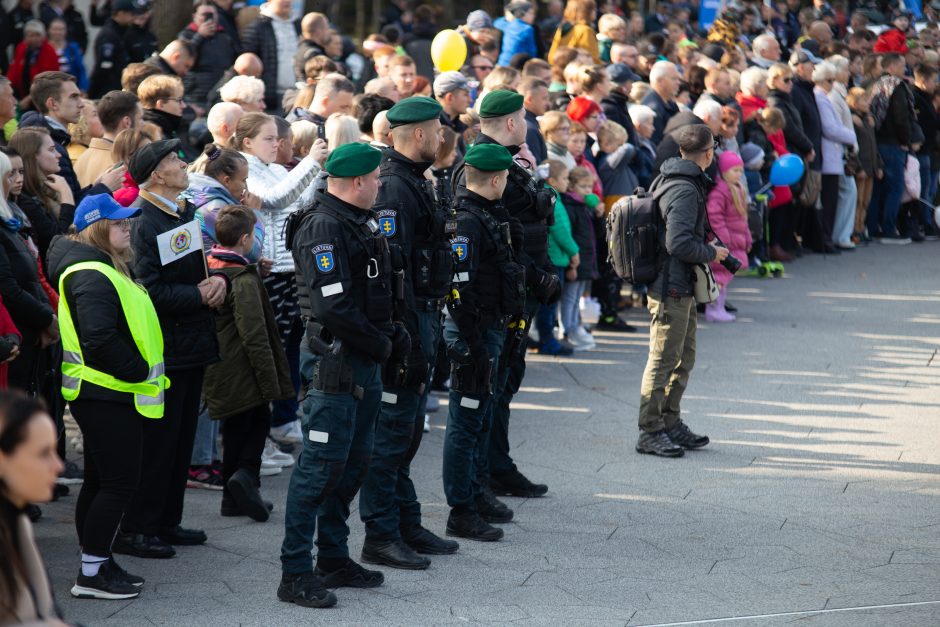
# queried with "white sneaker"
point(269, 469)
point(581, 339)
point(289, 433)
point(275, 455)
point(427, 424)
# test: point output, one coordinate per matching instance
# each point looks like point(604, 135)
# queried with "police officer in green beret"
point(530, 205)
point(344, 285)
point(418, 230)
point(492, 292)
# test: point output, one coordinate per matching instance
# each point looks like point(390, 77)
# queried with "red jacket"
point(6, 328)
point(47, 61)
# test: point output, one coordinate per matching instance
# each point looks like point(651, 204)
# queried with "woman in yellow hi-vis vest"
point(112, 376)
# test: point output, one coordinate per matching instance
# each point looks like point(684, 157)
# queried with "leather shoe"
point(491, 509)
point(423, 541)
point(658, 443)
point(139, 545)
point(681, 434)
point(471, 526)
point(245, 493)
point(351, 575)
point(777, 253)
point(184, 537)
point(514, 483)
point(229, 508)
point(394, 553)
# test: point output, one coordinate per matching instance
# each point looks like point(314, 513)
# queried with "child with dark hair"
point(253, 371)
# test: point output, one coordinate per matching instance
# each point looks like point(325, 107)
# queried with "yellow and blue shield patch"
point(461, 248)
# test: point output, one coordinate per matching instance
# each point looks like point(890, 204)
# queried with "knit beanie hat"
point(728, 160)
point(581, 107)
point(751, 155)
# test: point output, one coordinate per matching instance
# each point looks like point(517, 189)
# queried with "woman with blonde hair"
point(576, 29)
point(112, 376)
point(341, 129)
point(82, 132)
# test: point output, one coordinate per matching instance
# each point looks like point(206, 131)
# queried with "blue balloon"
point(786, 170)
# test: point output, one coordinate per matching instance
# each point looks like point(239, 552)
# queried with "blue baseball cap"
point(101, 207)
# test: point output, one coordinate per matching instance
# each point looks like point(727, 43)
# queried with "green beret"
point(353, 160)
point(500, 102)
point(413, 110)
point(488, 157)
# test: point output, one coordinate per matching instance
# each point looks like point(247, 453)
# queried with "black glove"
point(7, 343)
point(401, 341)
point(547, 288)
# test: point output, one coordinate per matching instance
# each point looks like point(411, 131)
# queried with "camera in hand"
point(730, 263)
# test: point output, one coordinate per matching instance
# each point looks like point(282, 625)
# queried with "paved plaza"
point(817, 502)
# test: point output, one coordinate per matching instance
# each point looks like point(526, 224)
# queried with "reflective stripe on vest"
point(137, 307)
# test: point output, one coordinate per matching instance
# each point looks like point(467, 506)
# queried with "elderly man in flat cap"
point(183, 296)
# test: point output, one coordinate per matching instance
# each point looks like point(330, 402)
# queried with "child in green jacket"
point(563, 252)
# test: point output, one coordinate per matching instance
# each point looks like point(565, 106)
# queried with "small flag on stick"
point(179, 242)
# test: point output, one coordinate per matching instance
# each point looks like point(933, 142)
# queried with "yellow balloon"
point(448, 50)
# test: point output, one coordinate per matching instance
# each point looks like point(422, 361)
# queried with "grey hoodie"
point(681, 189)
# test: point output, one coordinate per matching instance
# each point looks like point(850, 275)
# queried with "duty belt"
point(430, 304)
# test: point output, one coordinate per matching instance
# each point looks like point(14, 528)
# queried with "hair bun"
point(213, 152)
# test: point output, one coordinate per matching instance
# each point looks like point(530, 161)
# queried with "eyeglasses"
point(177, 100)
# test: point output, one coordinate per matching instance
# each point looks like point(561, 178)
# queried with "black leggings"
point(243, 438)
point(112, 433)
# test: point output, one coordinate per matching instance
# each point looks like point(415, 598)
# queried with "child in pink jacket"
point(727, 215)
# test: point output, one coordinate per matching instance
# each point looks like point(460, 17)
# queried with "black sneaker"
point(107, 584)
point(72, 475)
point(491, 509)
point(33, 512)
point(658, 443)
point(614, 323)
point(393, 553)
point(423, 541)
point(681, 434)
point(306, 590)
point(514, 483)
point(246, 495)
point(59, 490)
point(352, 575)
point(134, 580)
point(469, 525)
point(917, 236)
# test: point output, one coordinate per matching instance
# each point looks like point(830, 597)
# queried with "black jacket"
point(805, 102)
point(481, 260)
point(615, 108)
point(668, 148)
point(74, 23)
point(43, 225)
point(110, 59)
point(174, 127)
point(214, 55)
point(306, 50)
point(259, 38)
point(189, 339)
point(683, 209)
point(665, 111)
point(102, 329)
point(929, 122)
point(867, 146)
point(534, 139)
point(898, 126)
point(332, 249)
point(140, 43)
point(797, 141)
point(62, 139)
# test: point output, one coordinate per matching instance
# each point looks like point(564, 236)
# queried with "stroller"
point(757, 219)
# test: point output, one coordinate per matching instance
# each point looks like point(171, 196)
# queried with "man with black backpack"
point(680, 191)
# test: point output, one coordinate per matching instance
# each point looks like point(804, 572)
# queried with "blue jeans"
point(928, 189)
point(845, 210)
point(388, 501)
point(571, 304)
point(468, 423)
point(331, 466)
point(546, 315)
point(206, 444)
point(886, 198)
